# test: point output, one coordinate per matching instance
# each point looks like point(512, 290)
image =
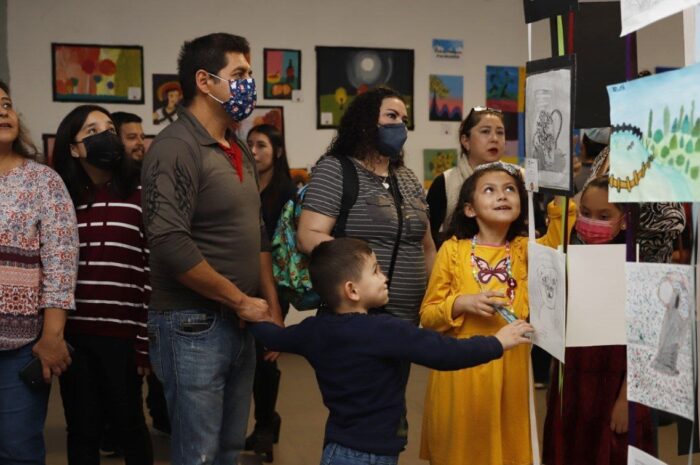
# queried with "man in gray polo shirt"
point(209, 254)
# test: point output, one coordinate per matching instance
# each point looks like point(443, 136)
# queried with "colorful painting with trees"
point(655, 142)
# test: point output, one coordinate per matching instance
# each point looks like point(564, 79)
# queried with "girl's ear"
point(469, 211)
point(464, 140)
point(279, 153)
point(74, 151)
point(623, 222)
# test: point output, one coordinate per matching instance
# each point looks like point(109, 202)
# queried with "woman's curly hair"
point(357, 133)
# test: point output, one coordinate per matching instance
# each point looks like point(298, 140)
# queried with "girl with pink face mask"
point(592, 423)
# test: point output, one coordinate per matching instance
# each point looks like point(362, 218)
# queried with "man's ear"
point(469, 211)
point(202, 81)
point(350, 291)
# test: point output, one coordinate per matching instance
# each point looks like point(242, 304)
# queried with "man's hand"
point(53, 353)
point(253, 309)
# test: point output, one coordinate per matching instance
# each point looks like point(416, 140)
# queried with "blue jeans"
point(22, 411)
point(206, 363)
point(335, 454)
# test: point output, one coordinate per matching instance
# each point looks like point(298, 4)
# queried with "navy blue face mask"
point(390, 139)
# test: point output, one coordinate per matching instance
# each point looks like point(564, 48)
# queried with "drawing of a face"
point(548, 288)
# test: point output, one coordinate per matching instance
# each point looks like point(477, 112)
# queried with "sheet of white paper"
point(546, 287)
point(639, 457)
point(639, 13)
point(659, 311)
point(596, 300)
point(548, 126)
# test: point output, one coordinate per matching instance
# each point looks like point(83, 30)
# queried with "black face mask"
point(104, 150)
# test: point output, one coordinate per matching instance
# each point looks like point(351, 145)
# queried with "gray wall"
point(4, 67)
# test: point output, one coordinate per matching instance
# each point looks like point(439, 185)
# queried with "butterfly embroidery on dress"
point(500, 271)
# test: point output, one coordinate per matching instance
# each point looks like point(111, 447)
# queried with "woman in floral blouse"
point(38, 265)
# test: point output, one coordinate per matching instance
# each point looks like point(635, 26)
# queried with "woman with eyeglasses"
point(482, 138)
point(108, 328)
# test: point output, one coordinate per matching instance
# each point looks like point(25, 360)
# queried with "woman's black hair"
point(472, 119)
point(124, 180)
point(593, 148)
point(23, 145)
point(357, 132)
point(281, 179)
point(465, 227)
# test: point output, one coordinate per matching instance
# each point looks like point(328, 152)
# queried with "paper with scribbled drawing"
point(639, 13)
point(659, 311)
point(546, 284)
point(655, 140)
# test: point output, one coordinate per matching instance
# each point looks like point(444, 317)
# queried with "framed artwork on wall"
point(282, 69)
point(167, 93)
point(97, 73)
point(345, 72)
point(273, 115)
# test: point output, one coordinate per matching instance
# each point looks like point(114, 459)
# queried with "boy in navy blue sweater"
point(361, 360)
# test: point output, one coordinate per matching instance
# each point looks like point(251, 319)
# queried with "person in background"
point(130, 130)
point(266, 143)
point(593, 141)
point(588, 419)
point(482, 139)
point(108, 328)
point(39, 257)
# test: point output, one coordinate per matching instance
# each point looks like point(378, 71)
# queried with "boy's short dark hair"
point(207, 53)
point(122, 117)
point(335, 262)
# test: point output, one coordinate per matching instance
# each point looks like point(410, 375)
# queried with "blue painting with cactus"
point(655, 140)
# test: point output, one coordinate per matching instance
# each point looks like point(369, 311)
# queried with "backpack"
point(290, 267)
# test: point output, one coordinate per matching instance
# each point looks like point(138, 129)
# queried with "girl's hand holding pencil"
point(478, 304)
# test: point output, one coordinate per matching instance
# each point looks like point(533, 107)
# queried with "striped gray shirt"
point(373, 218)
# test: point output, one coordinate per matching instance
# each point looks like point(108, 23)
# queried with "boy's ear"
point(350, 291)
point(469, 211)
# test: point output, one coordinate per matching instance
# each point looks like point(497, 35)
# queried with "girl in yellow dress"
point(480, 416)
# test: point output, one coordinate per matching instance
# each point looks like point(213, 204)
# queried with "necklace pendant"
point(385, 184)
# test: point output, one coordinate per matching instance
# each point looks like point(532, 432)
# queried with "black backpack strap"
point(351, 188)
point(398, 200)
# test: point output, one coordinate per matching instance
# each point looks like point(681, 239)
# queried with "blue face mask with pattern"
point(243, 97)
